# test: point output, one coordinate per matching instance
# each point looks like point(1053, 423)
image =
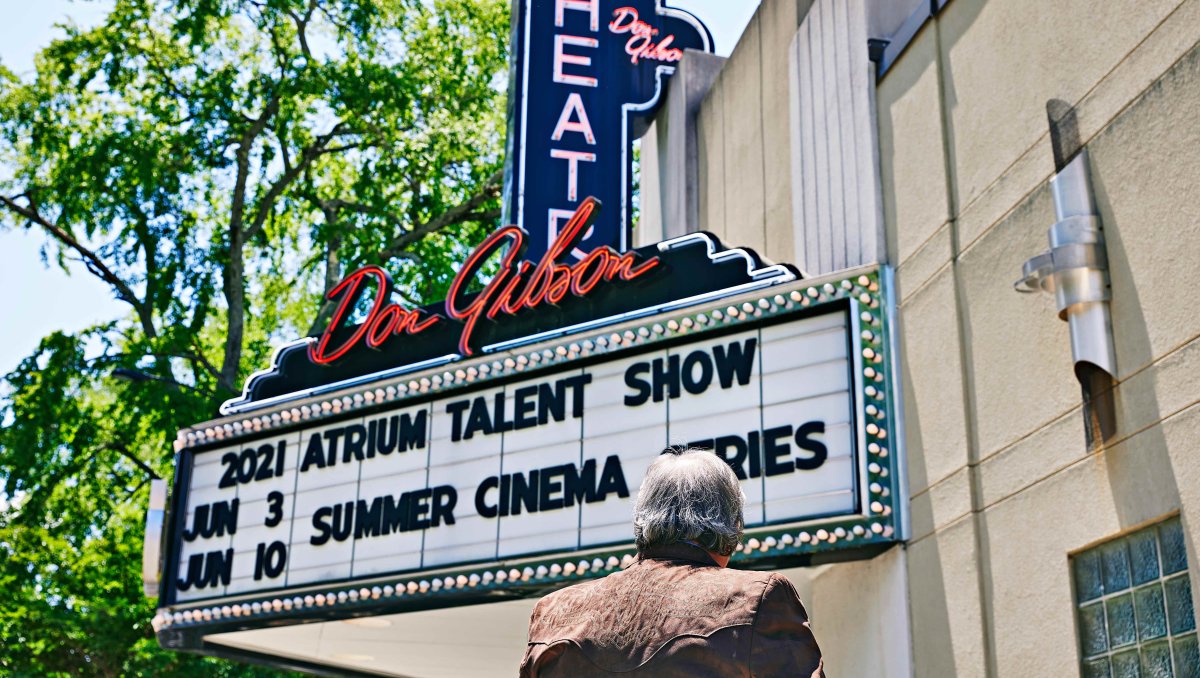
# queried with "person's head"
point(689, 495)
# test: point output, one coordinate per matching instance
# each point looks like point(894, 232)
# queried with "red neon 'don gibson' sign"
point(641, 44)
point(518, 285)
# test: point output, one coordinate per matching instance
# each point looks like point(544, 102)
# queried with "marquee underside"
point(410, 645)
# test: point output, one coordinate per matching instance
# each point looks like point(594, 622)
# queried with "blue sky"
point(41, 297)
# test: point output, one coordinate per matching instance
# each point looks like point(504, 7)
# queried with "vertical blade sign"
point(586, 77)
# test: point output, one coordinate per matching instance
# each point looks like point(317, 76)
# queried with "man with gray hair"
point(677, 611)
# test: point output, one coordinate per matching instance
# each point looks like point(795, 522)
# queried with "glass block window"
point(1134, 601)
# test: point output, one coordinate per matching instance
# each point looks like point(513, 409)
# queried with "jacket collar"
point(678, 551)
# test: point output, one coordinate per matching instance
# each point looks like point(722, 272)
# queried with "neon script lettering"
point(641, 43)
point(522, 285)
point(385, 320)
point(518, 285)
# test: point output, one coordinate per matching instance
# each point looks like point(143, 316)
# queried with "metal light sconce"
point(1075, 271)
point(1075, 268)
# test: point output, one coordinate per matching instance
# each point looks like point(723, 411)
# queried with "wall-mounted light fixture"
point(1075, 268)
point(1075, 271)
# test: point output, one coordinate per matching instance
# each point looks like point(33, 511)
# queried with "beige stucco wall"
point(745, 140)
point(1003, 487)
point(860, 635)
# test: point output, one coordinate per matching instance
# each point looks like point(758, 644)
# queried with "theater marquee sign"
point(492, 444)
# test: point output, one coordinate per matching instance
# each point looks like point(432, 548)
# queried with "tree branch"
point(332, 207)
point(302, 27)
point(284, 155)
point(131, 457)
point(465, 212)
point(95, 265)
point(233, 277)
point(333, 266)
point(339, 149)
point(245, 143)
point(307, 156)
point(198, 357)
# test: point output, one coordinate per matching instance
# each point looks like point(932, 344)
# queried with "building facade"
point(1011, 497)
point(1047, 497)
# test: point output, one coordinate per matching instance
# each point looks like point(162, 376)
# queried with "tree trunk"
point(333, 265)
point(333, 275)
point(235, 299)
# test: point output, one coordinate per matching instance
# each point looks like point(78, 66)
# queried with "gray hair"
point(689, 495)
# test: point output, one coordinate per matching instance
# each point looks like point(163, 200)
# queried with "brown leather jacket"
point(674, 613)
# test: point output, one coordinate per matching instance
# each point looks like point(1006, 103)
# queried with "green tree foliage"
point(218, 164)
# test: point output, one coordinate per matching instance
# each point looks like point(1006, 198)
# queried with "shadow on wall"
point(932, 634)
point(929, 600)
point(1132, 168)
point(943, 619)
